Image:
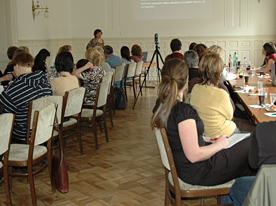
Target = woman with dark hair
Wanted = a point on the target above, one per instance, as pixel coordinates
(200, 49)
(40, 59)
(136, 52)
(197, 161)
(97, 40)
(65, 82)
(270, 56)
(125, 54)
(192, 46)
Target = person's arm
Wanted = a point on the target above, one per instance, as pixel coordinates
(189, 141)
(267, 67)
(7, 77)
(78, 72)
(222, 86)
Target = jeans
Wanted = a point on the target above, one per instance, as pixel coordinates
(238, 191)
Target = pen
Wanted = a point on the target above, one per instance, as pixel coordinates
(271, 114)
(214, 139)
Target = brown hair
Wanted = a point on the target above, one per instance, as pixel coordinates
(269, 48)
(26, 49)
(174, 78)
(136, 50)
(210, 69)
(23, 59)
(97, 31)
(192, 46)
(94, 56)
(10, 51)
(65, 48)
(16, 52)
(200, 48)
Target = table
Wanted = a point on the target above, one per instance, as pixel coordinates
(257, 115)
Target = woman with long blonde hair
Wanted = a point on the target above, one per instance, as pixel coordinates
(199, 160)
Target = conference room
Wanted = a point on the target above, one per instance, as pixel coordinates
(118, 162)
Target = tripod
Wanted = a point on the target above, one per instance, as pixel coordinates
(156, 53)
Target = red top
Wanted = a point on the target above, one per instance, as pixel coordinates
(272, 56)
(176, 55)
(136, 58)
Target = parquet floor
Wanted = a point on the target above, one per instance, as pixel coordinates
(125, 171)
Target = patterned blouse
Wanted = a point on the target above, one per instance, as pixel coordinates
(91, 78)
(94, 42)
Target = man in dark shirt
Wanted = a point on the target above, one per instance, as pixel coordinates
(26, 87)
(176, 47)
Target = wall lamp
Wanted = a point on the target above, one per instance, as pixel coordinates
(38, 8)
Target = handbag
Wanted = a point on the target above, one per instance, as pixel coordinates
(59, 167)
(120, 99)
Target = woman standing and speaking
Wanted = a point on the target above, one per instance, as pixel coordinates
(97, 41)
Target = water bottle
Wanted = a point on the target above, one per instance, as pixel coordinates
(245, 62)
(230, 61)
(235, 60)
(51, 74)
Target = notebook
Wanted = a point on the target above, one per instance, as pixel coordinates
(236, 138)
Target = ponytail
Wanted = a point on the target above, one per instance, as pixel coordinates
(174, 77)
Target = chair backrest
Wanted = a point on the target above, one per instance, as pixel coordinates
(43, 124)
(108, 77)
(74, 101)
(119, 72)
(6, 126)
(166, 155)
(38, 104)
(161, 147)
(104, 88)
(139, 68)
(131, 69)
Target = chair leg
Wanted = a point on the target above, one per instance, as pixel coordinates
(95, 135)
(140, 85)
(110, 116)
(7, 186)
(31, 182)
(105, 128)
(219, 199)
(49, 159)
(79, 134)
(125, 91)
(202, 201)
(167, 200)
(133, 85)
(10, 177)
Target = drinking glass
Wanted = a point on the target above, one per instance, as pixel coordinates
(265, 91)
(260, 85)
(272, 98)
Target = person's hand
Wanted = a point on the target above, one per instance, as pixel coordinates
(222, 141)
(8, 77)
(89, 65)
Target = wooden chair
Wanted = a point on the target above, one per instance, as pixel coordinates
(138, 74)
(97, 115)
(176, 185)
(6, 127)
(22, 155)
(130, 74)
(109, 77)
(111, 91)
(74, 104)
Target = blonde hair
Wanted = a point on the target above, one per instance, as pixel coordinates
(216, 49)
(65, 48)
(26, 49)
(210, 69)
(100, 49)
(94, 56)
(174, 78)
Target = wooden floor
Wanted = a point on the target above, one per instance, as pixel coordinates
(125, 171)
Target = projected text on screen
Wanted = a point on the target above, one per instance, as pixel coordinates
(164, 9)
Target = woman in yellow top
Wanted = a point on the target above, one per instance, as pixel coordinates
(212, 103)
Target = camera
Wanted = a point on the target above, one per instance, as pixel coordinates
(156, 38)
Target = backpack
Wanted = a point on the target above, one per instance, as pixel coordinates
(120, 99)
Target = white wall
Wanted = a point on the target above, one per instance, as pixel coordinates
(236, 25)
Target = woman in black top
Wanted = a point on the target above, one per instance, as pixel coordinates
(197, 161)
(40, 59)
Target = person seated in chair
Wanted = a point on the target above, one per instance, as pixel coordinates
(27, 87)
(176, 47)
(110, 58)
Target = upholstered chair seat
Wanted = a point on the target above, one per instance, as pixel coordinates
(20, 152)
(70, 122)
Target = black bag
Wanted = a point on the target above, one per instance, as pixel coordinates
(120, 99)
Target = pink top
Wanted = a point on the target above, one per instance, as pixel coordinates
(136, 58)
(272, 56)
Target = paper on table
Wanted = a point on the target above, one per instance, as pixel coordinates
(270, 114)
(236, 138)
(240, 91)
(256, 106)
